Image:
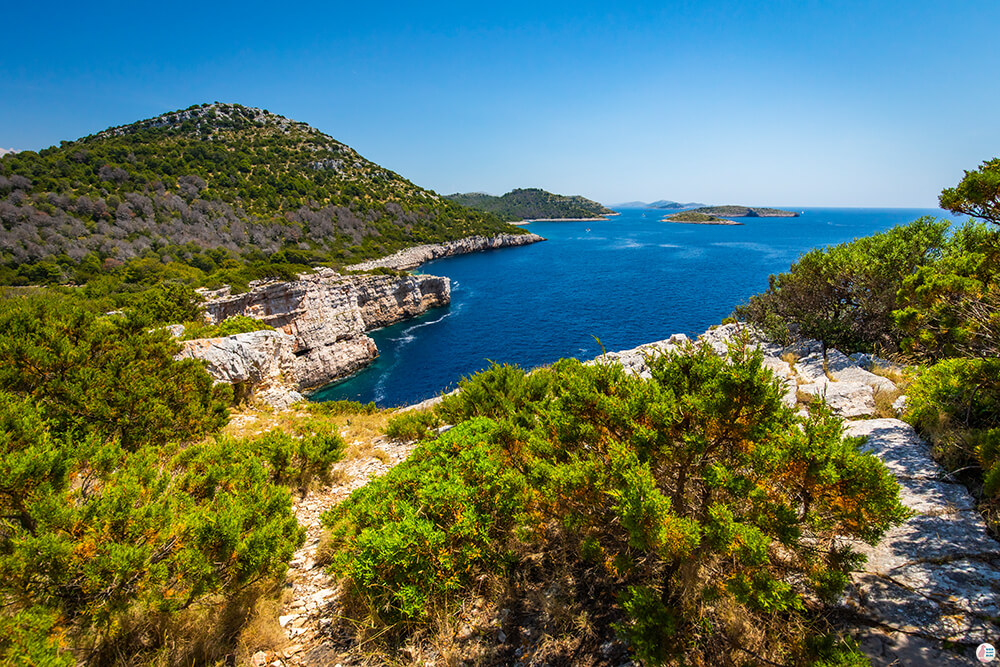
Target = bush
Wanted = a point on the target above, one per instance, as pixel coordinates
(228, 327)
(678, 503)
(411, 425)
(845, 295)
(956, 403)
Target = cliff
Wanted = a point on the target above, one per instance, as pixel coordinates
(260, 364)
(413, 257)
(326, 314)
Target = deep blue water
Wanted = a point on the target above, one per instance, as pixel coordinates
(627, 281)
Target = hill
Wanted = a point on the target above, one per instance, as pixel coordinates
(210, 188)
(745, 212)
(531, 204)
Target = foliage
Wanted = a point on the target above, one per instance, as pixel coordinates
(845, 295)
(682, 502)
(957, 403)
(531, 204)
(411, 425)
(977, 194)
(108, 375)
(230, 326)
(214, 194)
(104, 515)
(744, 212)
(951, 307)
(291, 461)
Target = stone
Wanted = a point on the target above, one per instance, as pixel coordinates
(259, 659)
(262, 361)
(847, 399)
(327, 314)
(285, 620)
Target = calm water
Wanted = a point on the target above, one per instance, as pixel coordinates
(627, 281)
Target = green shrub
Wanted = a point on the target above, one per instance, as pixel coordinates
(956, 403)
(411, 425)
(228, 327)
(674, 495)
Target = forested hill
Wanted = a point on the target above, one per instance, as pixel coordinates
(532, 204)
(206, 189)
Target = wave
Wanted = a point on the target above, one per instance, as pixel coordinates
(407, 332)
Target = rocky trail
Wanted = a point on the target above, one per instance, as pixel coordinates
(928, 594)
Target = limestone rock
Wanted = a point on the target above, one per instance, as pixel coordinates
(262, 361)
(327, 315)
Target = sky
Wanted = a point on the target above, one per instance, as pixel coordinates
(832, 103)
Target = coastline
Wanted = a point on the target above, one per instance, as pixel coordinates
(600, 218)
(411, 258)
(721, 221)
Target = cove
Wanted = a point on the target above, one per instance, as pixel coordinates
(626, 281)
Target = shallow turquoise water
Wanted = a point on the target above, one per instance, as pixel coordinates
(627, 281)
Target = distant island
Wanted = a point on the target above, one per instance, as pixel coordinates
(532, 204)
(694, 218)
(745, 212)
(662, 204)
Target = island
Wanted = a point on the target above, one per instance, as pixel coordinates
(745, 212)
(693, 218)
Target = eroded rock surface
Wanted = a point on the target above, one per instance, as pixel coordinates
(262, 361)
(327, 315)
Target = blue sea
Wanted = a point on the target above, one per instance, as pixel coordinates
(626, 281)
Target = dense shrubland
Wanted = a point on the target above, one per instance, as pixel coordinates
(693, 513)
(921, 293)
(215, 194)
(531, 204)
(117, 537)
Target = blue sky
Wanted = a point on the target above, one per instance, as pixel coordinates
(783, 103)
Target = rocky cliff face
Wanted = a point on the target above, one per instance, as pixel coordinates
(326, 314)
(414, 257)
(262, 362)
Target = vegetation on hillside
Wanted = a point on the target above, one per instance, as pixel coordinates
(745, 212)
(119, 538)
(923, 293)
(216, 193)
(531, 204)
(699, 218)
(693, 514)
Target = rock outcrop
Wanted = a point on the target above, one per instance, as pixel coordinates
(326, 314)
(411, 258)
(259, 363)
(929, 592)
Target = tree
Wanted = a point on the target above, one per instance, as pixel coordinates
(978, 193)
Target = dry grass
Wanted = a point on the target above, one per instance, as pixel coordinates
(262, 631)
(358, 429)
(805, 397)
(382, 456)
(790, 358)
(897, 375)
(884, 398)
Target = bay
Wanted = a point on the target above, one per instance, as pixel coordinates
(626, 281)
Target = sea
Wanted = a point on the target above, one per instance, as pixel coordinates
(591, 286)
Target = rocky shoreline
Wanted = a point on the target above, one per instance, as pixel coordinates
(411, 258)
(321, 320)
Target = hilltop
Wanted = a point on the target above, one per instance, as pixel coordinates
(745, 212)
(531, 204)
(211, 189)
